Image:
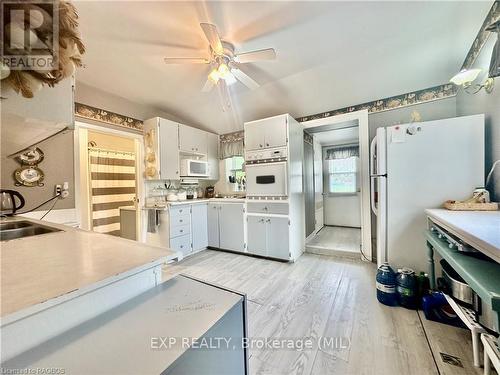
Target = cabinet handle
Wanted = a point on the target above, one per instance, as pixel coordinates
(180, 221)
(260, 145)
(267, 144)
(180, 210)
(182, 230)
(182, 246)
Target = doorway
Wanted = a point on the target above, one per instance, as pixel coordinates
(108, 180)
(341, 209)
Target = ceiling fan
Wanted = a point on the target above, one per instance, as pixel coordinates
(226, 65)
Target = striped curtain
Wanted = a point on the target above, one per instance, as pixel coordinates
(112, 176)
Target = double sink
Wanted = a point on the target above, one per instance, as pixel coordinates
(21, 229)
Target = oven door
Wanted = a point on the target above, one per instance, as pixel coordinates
(267, 179)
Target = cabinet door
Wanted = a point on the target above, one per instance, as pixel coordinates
(275, 131)
(199, 227)
(213, 225)
(278, 237)
(168, 149)
(257, 242)
(231, 227)
(254, 136)
(192, 139)
(213, 156)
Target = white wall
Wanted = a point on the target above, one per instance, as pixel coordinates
(340, 209)
(343, 210)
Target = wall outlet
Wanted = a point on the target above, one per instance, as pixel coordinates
(62, 190)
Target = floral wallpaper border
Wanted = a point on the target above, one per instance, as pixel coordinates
(393, 102)
(108, 117)
(482, 35)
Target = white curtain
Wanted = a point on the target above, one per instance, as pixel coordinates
(342, 152)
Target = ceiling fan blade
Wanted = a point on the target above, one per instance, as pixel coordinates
(263, 54)
(213, 37)
(209, 85)
(185, 60)
(245, 79)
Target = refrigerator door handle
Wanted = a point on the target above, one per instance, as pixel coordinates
(372, 194)
(372, 155)
(372, 175)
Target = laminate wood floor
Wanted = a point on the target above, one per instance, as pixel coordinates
(320, 296)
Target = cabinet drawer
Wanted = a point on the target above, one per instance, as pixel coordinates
(181, 243)
(180, 210)
(267, 208)
(176, 220)
(180, 230)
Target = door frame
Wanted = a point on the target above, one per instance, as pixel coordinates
(364, 156)
(82, 181)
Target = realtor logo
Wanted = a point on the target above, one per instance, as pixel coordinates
(30, 34)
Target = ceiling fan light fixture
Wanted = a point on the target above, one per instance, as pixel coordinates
(223, 69)
(214, 76)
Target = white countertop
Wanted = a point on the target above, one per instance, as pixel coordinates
(38, 268)
(480, 229)
(119, 341)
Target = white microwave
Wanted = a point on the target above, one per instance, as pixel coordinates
(194, 168)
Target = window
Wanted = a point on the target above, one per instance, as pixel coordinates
(342, 176)
(234, 172)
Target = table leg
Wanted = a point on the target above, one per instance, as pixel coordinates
(430, 259)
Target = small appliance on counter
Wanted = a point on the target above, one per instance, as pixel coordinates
(210, 192)
(8, 206)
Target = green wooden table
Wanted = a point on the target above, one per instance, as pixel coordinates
(483, 276)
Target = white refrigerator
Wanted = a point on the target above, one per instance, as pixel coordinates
(418, 166)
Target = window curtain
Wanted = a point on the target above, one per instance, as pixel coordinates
(231, 145)
(342, 152)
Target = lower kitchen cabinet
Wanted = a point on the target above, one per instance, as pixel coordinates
(226, 226)
(256, 243)
(268, 236)
(277, 237)
(199, 228)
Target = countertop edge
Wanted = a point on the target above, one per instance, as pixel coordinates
(56, 300)
(481, 245)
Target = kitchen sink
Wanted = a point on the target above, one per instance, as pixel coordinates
(21, 229)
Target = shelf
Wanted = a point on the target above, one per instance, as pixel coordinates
(483, 276)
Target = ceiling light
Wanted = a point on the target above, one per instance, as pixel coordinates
(214, 76)
(466, 77)
(223, 69)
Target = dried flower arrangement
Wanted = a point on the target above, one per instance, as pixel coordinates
(71, 47)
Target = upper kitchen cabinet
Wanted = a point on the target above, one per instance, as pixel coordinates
(266, 133)
(213, 156)
(192, 140)
(26, 122)
(162, 149)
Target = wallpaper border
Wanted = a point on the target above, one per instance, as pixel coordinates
(107, 117)
(482, 35)
(404, 100)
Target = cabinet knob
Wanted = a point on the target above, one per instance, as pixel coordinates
(267, 144)
(260, 145)
(182, 230)
(180, 221)
(268, 220)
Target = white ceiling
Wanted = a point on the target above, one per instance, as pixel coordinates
(338, 136)
(329, 54)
